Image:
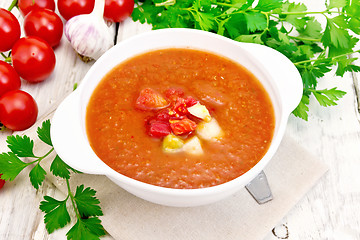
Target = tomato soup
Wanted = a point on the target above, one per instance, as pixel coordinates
(180, 118)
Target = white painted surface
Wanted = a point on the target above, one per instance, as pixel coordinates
(331, 210)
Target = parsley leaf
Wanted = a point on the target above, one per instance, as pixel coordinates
(11, 166)
(298, 21)
(253, 38)
(37, 176)
(255, 21)
(336, 36)
(268, 5)
(338, 3)
(312, 29)
(60, 169)
(327, 97)
(204, 20)
(21, 146)
(86, 202)
(56, 215)
(302, 109)
(89, 229)
(236, 25)
(44, 132)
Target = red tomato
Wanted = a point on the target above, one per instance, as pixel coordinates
(2, 182)
(71, 8)
(18, 110)
(9, 30)
(25, 6)
(158, 129)
(33, 59)
(182, 126)
(149, 99)
(118, 10)
(9, 79)
(44, 24)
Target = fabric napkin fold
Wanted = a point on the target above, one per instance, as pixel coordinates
(291, 173)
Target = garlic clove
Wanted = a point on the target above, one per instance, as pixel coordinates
(89, 34)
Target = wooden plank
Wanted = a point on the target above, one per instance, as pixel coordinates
(331, 210)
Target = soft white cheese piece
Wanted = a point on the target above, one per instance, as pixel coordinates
(210, 131)
(200, 111)
(193, 146)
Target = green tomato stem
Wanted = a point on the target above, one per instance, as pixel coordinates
(13, 4)
(6, 59)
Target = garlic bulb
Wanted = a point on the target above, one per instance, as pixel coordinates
(89, 34)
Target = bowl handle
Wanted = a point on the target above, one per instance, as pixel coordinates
(283, 71)
(69, 141)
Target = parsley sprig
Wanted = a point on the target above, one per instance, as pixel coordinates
(83, 202)
(282, 25)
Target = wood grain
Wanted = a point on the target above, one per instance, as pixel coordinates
(331, 210)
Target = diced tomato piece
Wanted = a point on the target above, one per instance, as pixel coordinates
(174, 93)
(150, 100)
(190, 101)
(182, 126)
(163, 115)
(158, 129)
(180, 107)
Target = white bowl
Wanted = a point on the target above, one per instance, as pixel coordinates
(277, 74)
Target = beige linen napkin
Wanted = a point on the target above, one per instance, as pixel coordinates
(291, 173)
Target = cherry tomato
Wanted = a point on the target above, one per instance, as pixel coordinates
(18, 110)
(33, 59)
(9, 79)
(118, 10)
(71, 8)
(44, 24)
(25, 6)
(2, 182)
(9, 30)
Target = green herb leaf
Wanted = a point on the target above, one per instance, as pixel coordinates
(298, 21)
(86, 202)
(11, 166)
(312, 29)
(89, 229)
(338, 3)
(253, 38)
(333, 35)
(21, 146)
(236, 25)
(327, 97)
(56, 215)
(255, 21)
(44, 132)
(60, 169)
(37, 176)
(268, 5)
(302, 109)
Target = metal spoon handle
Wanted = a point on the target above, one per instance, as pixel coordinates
(259, 188)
